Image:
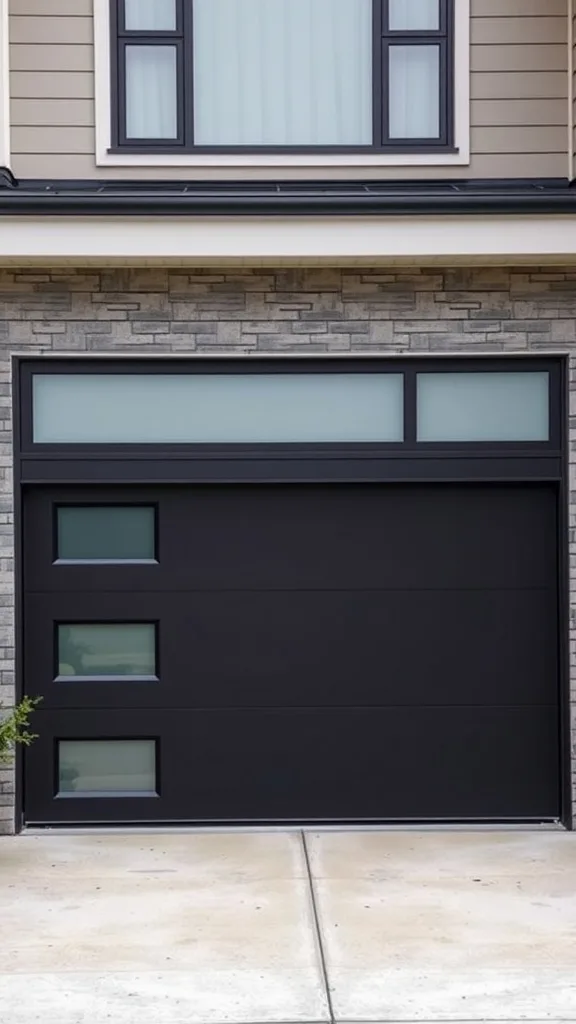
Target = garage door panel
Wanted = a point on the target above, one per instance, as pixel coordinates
(365, 537)
(294, 537)
(429, 763)
(307, 648)
(339, 653)
(376, 648)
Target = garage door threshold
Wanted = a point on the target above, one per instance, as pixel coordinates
(158, 830)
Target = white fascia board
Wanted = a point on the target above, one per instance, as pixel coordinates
(305, 239)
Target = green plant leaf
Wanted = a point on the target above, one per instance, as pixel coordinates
(14, 727)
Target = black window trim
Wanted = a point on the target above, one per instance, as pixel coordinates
(181, 38)
(84, 736)
(76, 504)
(95, 678)
(409, 447)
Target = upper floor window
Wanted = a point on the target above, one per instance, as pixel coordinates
(209, 76)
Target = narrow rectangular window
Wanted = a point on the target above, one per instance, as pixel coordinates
(414, 92)
(103, 534)
(106, 650)
(151, 94)
(281, 408)
(282, 75)
(149, 73)
(107, 768)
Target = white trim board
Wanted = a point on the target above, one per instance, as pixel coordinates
(280, 240)
(4, 86)
(461, 118)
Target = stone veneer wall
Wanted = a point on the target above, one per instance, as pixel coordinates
(305, 311)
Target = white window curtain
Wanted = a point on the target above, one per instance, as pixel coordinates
(283, 72)
(151, 101)
(414, 92)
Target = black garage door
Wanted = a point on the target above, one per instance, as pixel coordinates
(303, 653)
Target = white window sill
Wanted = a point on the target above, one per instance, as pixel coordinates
(106, 159)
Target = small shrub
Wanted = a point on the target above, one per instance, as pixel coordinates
(14, 725)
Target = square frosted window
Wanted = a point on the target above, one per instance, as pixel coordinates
(483, 406)
(107, 768)
(227, 408)
(414, 15)
(150, 15)
(106, 533)
(105, 650)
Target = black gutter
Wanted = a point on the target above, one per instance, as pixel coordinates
(286, 199)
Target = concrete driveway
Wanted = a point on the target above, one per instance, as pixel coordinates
(285, 927)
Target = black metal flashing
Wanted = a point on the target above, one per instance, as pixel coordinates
(284, 198)
(7, 179)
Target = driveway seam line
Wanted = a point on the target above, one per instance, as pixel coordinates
(318, 929)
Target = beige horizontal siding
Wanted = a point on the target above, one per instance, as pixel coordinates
(34, 29)
(499, 31)
(517, 139)
(54, 8)
(519, 87)
(529, 85)
(53, 112)
(62, 57)
(515, 8)
(52, 85)
(55, 139)
(520, 57)
(493, 113)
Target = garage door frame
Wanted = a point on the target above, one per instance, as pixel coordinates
(395, 462)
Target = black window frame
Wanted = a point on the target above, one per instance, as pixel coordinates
(88, 463)
(96, 679)
(57, 560)
(383, 39)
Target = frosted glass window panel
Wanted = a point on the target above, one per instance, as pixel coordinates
(107, 767)
(414, 15)
(414, 96)
(282, 72)
(217, 408)
(150, 15)
(151, 94)
(117, 533)
(98, 650)
(483, 406)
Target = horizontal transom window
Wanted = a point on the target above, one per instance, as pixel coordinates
(282, 75)
(281, 408)
(402, 405)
